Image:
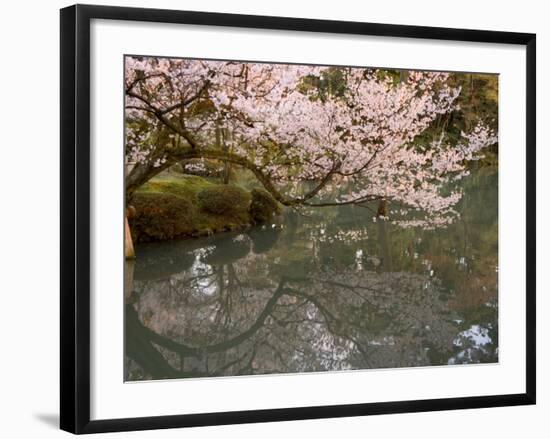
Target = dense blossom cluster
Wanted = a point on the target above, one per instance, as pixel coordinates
(362, 139)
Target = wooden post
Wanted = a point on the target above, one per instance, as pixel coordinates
(128, 244)
(382, 208)
(128, 280)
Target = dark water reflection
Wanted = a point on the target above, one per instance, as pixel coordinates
(334, 291)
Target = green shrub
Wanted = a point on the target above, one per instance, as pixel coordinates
(263, 206)
(223, 199)
(160, 216)
(168, 208)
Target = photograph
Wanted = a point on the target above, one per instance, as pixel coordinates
(294, 218)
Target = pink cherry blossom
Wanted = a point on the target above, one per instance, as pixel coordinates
(362, 143)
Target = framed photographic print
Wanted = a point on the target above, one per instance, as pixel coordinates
(267, 218)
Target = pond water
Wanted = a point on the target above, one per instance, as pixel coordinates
(331, 291)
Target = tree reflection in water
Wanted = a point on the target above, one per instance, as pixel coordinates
(306, 298)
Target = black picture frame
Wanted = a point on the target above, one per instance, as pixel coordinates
(75, 217)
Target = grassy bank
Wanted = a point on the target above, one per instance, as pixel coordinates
(183, 206)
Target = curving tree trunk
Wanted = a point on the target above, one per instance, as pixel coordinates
(141, 173)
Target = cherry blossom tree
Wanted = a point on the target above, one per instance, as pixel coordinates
(356, 147)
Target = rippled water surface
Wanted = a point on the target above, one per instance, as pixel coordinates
(331, 291)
